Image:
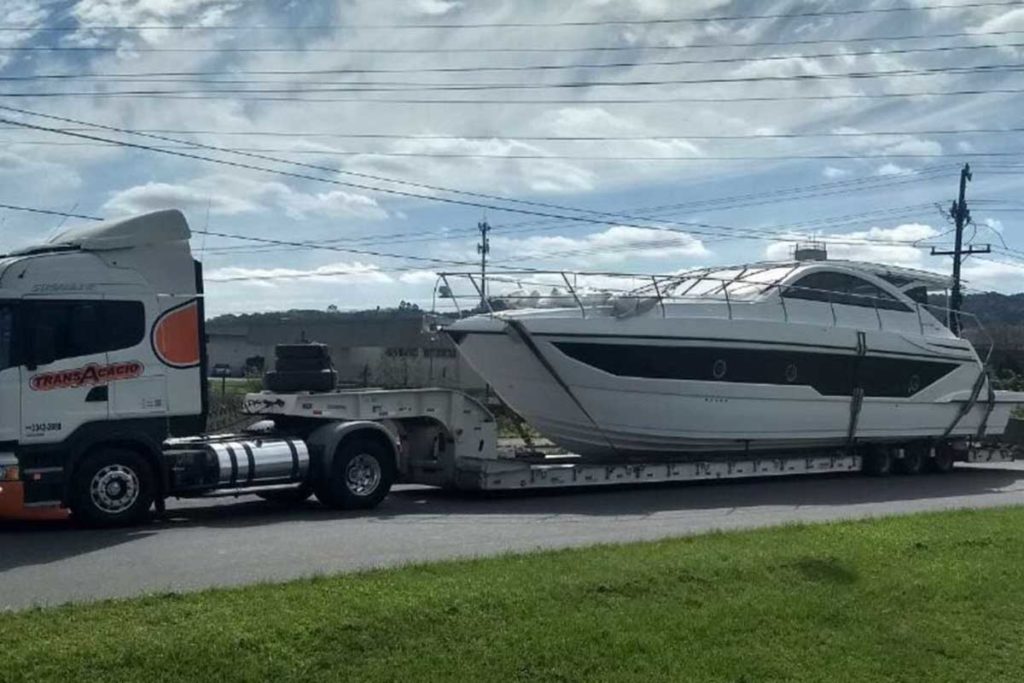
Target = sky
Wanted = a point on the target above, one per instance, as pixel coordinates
(357, 144)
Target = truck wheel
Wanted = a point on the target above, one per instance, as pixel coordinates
(288, 496)
(878, 461)
(943, 460)
(913, 461)
(112, 487)
(360, 477)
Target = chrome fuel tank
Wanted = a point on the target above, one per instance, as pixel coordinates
(237, 462)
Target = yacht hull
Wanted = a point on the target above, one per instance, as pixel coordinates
(611, 388)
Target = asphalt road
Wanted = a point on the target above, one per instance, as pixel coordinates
(229, 542)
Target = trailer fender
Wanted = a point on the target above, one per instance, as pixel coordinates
(324, 441)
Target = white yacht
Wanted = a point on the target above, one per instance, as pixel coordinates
(760, 357)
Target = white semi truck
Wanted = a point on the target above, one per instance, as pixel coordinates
(103, 403)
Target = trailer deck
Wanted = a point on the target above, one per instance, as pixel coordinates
(447, 438)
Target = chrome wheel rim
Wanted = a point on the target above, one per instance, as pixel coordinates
(363, 474)
(114, 488)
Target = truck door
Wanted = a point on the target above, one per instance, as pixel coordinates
(10, 377)
(144, 395)
(64, 370)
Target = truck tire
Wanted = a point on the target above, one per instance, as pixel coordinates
(915, 456)
(112, 487)
(361, 475)
(943, 460)
(288, 496)
(878, 461)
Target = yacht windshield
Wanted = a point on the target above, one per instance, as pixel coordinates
(738, 283)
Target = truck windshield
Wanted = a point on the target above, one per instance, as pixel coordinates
(6, 334)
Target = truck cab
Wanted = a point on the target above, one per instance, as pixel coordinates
(101, 360)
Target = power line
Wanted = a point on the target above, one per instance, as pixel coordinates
(263, 157)
(146, 76)
(347, 250)
(545, 24)
(49, 212)
(653, 212)
(704, 204)
(554, 157)
(692, 226)
(303, 176)
(763, 233)
(722, 232)
(576, 252)
(502, 50)
(222, 95)
(331, 170)
(570, 138)
(414, 86)
(322, 246)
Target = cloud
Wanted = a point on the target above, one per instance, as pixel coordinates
(418, 277)
(888, 145)
(436, 8)
(1012, 20)
(342, 272)
(226, 195)
(41, 175)
(118, 180)
(587, 121)
(92, 14)
(616, 244)
(154, 196)
(336, 203)
(994, 276)
(871, 246)
(28, 13)
(892, 169)
(831, 172)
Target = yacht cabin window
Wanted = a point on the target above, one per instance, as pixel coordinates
(842, 288)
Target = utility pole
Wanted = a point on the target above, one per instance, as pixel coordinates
(961, 217)
(483, 248)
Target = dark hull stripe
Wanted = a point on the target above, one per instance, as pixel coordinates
(459, 335)
(760, 342)
(828, 374)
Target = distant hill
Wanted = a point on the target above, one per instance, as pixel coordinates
(991, 307)
(309, 316)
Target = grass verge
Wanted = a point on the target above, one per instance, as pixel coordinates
(934, 597)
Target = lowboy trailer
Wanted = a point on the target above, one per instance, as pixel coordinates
(103, 388)
(349, 448)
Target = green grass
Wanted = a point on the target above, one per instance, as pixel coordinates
(937, 597)
(234, 386)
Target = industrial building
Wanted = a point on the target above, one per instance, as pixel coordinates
(368, 348)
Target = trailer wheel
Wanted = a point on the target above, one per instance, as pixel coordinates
(878, 461)
(361, 475)
(943, 460)
(288, 496)
(112, 487)
(915, 456)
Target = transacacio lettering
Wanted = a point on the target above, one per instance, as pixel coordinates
(91, 374)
